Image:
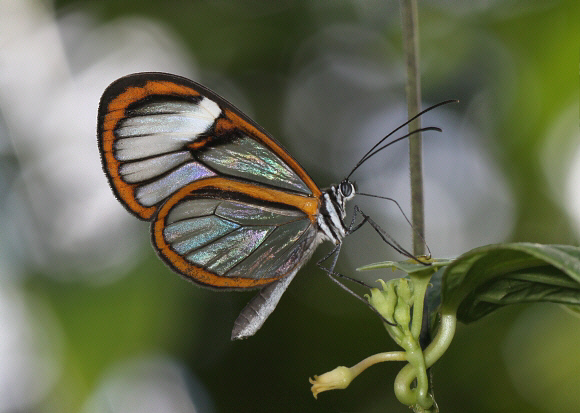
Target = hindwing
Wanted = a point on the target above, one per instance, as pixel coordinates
(218, 234)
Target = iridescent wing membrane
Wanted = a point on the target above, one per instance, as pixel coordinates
(229, 207)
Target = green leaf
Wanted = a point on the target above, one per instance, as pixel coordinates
(408, 266)
(487, 278)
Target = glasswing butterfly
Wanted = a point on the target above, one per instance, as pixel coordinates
(229, 207)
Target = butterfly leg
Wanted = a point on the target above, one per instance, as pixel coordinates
(336, 250)
(352, 227)
(383, 234)
(334, 275)
(330, 270)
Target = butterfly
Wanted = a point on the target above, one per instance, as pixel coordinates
(229, 207)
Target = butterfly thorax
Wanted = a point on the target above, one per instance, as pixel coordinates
(332, 211)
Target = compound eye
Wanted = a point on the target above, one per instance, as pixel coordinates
(346, 188)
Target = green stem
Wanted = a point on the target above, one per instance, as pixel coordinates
(420, 284)
(443, 339)
(420, 394)
(377, 358)
(409, 15)
(405, 394)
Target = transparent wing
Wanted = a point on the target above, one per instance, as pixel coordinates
(263, 304)
(159, 132)
(231, 240)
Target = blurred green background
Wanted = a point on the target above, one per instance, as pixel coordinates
(92, 321)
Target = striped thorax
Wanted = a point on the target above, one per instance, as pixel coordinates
(332, 211)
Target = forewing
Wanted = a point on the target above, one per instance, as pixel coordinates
(158, 133)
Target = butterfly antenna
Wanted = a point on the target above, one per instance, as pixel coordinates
(404, 215)
(370, 152)
(386, 145)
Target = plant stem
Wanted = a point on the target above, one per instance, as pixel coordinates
(409, 16)
(377, 358)
(420, 285)
(432, 353)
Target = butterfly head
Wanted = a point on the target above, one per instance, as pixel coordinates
(347, 189)
(344, 191)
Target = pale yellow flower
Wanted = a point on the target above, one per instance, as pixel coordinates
(339, 378)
